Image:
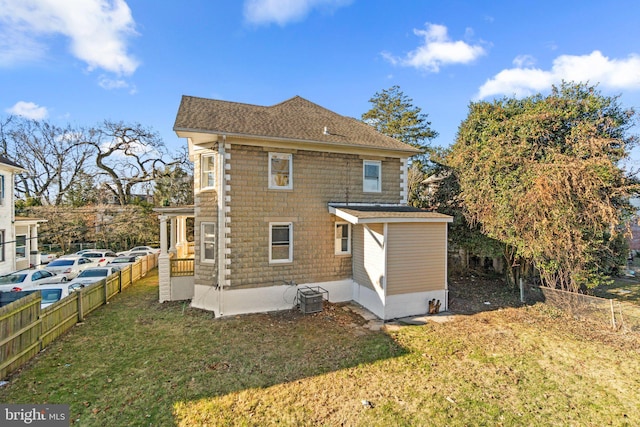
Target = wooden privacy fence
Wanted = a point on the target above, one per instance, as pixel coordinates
(26, 329)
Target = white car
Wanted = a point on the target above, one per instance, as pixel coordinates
(27, 279)
(141, 249)
(101, 257)
(90, 276)
(46, 257)
(75, 254)
(123, 260)
(69, 268)
(52, 293)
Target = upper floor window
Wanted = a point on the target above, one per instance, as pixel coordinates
(21, 246)
(281, 171)
(343, 238)
(372, 176)
(207, 167)
(208, 242)
(280, 242)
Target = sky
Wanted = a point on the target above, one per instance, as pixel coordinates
(81, 62)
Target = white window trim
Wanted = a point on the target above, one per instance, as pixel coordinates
(290, 258)
(377, 163)
(3, 236)
(25, 246)
(2, 189)
(289, 157)
(205, 172)
(338, 239)
(203, 242)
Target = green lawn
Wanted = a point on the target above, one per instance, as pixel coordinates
(135, 362)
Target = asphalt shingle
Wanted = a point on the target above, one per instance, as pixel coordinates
(294, 119)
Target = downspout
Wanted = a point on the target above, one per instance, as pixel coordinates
(222, 205)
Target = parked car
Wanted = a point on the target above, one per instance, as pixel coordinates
(27, 279)
(69, 268)
(81, 252)
(52, 293)
(123, 261)
(141, 249)
(139, 254)
(102, 257)
(47, 257)
(91, 275)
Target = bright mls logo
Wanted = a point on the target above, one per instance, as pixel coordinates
(34, 415)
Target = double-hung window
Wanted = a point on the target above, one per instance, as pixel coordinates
(280, 242)
(371, 176)
(343, 238)
(208, 242)
(21, 246)
(207, 167)
(280, 171)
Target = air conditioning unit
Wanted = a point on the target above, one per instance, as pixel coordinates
(310, 298)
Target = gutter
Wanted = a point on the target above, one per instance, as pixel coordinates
(188, 133)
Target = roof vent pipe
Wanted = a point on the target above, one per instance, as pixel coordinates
(325, 131)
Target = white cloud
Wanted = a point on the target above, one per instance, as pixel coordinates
(282, 12)
(438, 50)
(521, 61)
(98, 31)
(594, 68)
(28, 110)
(107, 83)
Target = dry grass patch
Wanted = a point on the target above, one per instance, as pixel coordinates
(137, 362)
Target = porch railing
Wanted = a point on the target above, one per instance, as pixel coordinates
(182, 267)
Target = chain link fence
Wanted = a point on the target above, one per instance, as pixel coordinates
(618, 315)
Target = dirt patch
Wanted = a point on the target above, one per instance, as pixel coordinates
(475, 293)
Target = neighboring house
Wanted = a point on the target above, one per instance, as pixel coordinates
(296, 195)
(18, 236)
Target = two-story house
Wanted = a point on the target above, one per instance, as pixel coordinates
(18, 236)
(296, 195)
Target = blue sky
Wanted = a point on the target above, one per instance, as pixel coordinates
(83, 61)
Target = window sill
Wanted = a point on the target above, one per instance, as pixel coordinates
(290, 190)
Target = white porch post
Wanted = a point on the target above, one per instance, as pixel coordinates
(181, 237)
(163, 234)
(164, 264)
(172, 236)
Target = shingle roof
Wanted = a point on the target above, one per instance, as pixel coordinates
(294, 119)
(367, 214)
(8, 162)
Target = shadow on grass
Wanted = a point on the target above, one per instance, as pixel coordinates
(134, 359)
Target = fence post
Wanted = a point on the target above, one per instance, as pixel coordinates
(80, 308)
(613, 315)
(106, 292)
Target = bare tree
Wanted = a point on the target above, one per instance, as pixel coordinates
(53, 156)
(127, 156)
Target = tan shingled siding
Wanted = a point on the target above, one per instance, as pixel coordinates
(206, 210)
(416, 257)
(318, 178)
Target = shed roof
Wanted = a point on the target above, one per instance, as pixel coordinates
(294, 119)
(381, 214)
